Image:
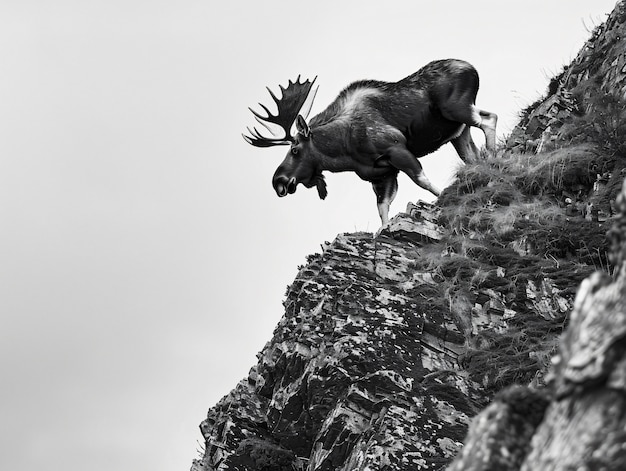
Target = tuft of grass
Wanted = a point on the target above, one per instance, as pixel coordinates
(526, 198)
(569, 171)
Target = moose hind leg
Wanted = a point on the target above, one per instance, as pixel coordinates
(488, 121)
(386, 191)
(470, 115)
(465, 147)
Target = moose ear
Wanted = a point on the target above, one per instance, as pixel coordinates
(302, 127)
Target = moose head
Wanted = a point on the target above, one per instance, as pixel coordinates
(301, 164)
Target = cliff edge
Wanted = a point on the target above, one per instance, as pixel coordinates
(459, 322)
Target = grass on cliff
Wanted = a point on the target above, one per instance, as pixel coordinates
(600, 119)
(536, 204)
(512, 220)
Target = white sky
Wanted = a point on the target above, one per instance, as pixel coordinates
(144, 254)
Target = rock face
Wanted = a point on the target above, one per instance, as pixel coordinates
(586, 103)
(393, 346)
(599, 69)
(381, 360)
(361, 372)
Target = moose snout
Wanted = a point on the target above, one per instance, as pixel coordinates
(284, 185)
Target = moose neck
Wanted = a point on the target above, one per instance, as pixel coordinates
(332, 141)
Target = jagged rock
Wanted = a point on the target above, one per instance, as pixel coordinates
(405, 225)
(500, 437)
(344, 383)
(600, 59)
(377, 363)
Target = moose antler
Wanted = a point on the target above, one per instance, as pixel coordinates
(289, 105)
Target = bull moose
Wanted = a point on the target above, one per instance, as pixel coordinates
(376, 129)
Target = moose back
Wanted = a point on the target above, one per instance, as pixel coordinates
(376, 129)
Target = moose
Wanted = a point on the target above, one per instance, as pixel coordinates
(376, 129)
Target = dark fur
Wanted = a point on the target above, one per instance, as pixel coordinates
(378, 128)
(410, 104)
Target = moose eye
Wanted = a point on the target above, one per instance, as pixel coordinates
(294, 150)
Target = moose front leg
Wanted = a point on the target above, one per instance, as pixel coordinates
(402, 159)
(386, 190)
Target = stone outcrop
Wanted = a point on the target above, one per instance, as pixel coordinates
(585, 103)
(361, 371)
(381, 360)
(599, 68)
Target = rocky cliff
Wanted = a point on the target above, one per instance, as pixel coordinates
(394, 345)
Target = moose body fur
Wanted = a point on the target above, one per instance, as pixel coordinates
(377, 129)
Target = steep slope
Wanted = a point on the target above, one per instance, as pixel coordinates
(391, 343)
(388, 346)
(585, 103)
(362, 363)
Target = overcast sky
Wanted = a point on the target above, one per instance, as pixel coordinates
(144, 255)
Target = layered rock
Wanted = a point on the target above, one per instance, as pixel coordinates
(379, 361)
(361, 371)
